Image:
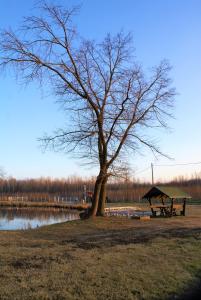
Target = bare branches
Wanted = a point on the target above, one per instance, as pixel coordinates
(108, 97)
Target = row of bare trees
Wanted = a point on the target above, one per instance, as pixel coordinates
(119, 191)
(109, 99)
(72, 186)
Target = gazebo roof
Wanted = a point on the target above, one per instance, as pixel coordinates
(167, 191)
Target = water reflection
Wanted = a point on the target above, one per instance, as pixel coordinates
(26, 218)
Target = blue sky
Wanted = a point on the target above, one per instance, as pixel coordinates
(161, 29)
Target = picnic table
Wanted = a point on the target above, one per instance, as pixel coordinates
(165, 210)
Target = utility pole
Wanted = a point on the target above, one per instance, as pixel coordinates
(85, 193)
(152, 173)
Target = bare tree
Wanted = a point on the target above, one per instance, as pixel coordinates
(109, 100)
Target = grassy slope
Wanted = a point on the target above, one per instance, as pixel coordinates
(109, 258)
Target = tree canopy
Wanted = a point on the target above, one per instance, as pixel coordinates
(109, 99)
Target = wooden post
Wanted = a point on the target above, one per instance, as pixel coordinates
(153, 212)
(184, 208)
(162, 200)
(171, 209)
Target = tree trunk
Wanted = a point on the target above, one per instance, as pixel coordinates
(102, 198)
(96, 195)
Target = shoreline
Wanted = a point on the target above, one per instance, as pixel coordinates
(70, 206)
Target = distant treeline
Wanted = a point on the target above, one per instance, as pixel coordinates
(121, 191)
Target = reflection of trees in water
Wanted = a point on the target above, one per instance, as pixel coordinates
(37, 213)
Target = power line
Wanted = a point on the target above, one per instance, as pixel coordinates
(142, 171)
(178, 164)
(167, 165)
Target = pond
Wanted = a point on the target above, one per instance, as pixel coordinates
(28, 218)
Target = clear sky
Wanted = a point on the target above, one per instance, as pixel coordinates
(161, 29)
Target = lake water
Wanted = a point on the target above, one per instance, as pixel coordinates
(27, 218)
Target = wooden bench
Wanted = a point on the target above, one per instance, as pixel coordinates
(165, 210)
(178, 206)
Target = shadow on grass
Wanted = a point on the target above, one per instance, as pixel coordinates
(109, 238)
(192, 292)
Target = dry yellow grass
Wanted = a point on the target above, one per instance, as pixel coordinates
(105, 258)
(13, 203)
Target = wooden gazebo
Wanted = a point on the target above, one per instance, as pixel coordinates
(167, 201)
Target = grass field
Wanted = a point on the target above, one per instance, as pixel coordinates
(105, 258)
